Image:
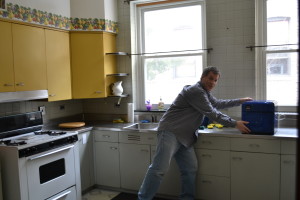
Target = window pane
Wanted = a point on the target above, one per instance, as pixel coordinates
(167, 30)
(282, 78)
(165, 77)
(282, 23)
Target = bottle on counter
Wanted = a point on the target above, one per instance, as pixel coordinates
(161, 105)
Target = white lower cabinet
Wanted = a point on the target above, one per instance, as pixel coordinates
(213, 178)
(85, 141)
(171, 183)
(288, 170)
(107, 164)
(134, 162)
(255, 174)
(230, 168)
(106, 154)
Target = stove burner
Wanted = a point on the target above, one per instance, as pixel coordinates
(51, 133)
(12, 143)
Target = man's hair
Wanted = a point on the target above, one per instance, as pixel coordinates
(207, 70)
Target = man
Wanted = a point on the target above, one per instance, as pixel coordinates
(177, 132)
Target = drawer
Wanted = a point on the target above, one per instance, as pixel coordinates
(137, 138)
(255, 145)
(213, 187)
(213, 162)
(288, 146)
(106, 136)
(211, 142)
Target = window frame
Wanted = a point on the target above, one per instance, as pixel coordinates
(261, 54)
(137, 44)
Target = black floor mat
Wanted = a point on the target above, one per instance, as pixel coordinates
(128, 196)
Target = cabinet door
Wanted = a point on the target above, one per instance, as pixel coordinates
(7, 81)
(213, 162)
(255, 176)
(213, 187)
(134, 162)
(29, 58)
(171, 184)
(87, 58)
(288, 180)
(58, 65)
(86, 160)
(107, 164)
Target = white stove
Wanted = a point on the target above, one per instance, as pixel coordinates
(38, 164)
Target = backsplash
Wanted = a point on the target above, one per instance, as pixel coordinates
(54, 110)
(34, 16)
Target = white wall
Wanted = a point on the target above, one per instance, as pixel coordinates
(103, 9)
(60, 7)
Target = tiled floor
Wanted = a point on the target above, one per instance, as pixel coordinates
(97, 194)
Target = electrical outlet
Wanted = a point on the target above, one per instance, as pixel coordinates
(42, 109)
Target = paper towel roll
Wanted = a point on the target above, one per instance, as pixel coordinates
(130, 113)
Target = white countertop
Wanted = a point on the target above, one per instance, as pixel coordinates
(232, 132)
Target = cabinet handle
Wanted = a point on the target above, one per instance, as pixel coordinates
(206, 155)
(113, 148)
(8, 85)
(52, 95)
(206, 142)
(288, 162)
(20, 84)
(106, 136)
(254, 145)
(237, 158)
(98, 92)
(206, 181)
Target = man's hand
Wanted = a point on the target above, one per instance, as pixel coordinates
(246, 99)
(240, 125)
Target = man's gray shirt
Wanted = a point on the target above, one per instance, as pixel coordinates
(187, 112)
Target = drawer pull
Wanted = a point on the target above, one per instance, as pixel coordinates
(52, 95)
(206, 142)
(106, 136)
(254, 145)
(98, 92)
(113, 148)
(206, 155)
(237, 158)
(288, 162)
(150, 138)
(206, 182)
(144, 150)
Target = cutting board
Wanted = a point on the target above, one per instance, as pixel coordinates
(71, 125)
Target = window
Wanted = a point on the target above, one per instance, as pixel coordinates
(277, 58)
(170, 48)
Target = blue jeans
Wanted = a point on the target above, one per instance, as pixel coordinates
(167, 148)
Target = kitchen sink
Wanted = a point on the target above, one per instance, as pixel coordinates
(142, 127)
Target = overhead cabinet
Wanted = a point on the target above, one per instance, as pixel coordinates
(90, 65)
(29, 53)
(7, 82)
(58, 65)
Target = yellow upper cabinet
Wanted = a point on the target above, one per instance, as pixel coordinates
(29, 58)
(6, 59)
(89, 63)
(58, 65)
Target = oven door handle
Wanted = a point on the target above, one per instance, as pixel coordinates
(51, 152)
(62, 195)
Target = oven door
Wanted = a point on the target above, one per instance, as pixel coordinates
(50, 172)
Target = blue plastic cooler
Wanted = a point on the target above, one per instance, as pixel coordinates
(261, 117)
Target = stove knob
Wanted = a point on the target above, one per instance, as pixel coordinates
(51, 144)
(33, 149)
